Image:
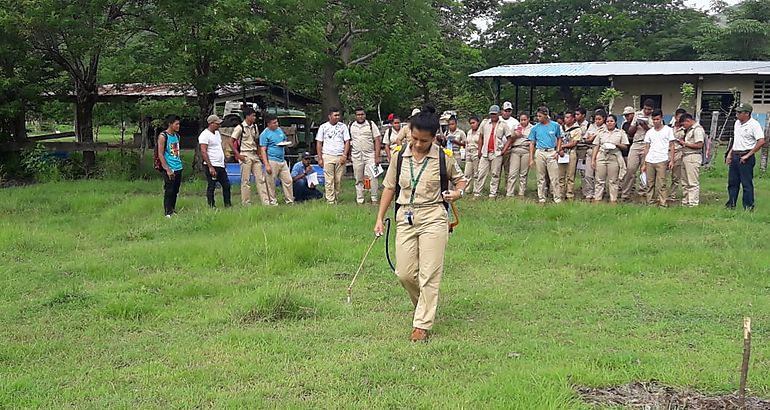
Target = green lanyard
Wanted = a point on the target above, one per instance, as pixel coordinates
(414, 180)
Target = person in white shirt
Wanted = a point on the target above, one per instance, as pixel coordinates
(748, 139)
(658, 158)
(214, 160)
(333, 146)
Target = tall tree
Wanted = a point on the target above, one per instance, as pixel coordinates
(75, 35)
(743, 33)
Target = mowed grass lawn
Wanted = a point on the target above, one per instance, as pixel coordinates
(106, 304)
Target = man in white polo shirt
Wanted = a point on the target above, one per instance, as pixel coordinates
(333, 146)
(658, 158)
(748, 138)
(210, 142)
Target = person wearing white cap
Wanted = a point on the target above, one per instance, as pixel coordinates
(405, 135)
(214, 160)
(510, 120)
(494, 133)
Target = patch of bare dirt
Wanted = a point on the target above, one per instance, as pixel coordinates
(654, 396)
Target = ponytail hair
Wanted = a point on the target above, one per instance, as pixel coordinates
(426, 120)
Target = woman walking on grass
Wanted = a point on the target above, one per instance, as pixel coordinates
(422, 225)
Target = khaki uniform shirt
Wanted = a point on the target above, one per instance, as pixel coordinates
(249, 136)
(694, 135)
(362, 137)
(640, 132)
(472, 144)
(501, 132)
(679, 132)
(576, 134)
(615, 137)
(389, 137)
(457, 136)
(522, 142)
(428, 191)
(405, 135)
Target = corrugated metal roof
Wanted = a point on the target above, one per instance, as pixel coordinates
(629, 68)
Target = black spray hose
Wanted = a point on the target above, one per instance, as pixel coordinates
(387, 245)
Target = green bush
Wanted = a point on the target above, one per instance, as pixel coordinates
(118, 165)
(39, 164)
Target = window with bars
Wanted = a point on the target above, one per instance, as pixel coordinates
(762, 92)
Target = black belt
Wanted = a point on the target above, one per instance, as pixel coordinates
(546, 149)
(741, 152)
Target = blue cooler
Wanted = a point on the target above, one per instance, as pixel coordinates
(234, 175)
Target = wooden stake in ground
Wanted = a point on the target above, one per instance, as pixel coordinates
(745, 365)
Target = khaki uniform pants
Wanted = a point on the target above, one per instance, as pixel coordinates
(691, 179)
(420, 259)
(587, 186)
(471, 170)
(677, 174)
(487, 165)
(518, 171)
(634, 162)
(656, 183)
(607, 172)
(567, 176)
(280, 170)
(505, 167)
(251, 165)
(334, 169)
(361, 164)
(547, 168)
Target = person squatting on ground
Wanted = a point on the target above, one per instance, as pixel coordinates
(422, 225)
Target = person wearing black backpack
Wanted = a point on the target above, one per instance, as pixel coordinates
(169, 163)
(419, 182)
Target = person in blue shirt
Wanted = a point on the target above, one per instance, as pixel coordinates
(171, 163)
(544, 150)
(303, 190)
(271, 143)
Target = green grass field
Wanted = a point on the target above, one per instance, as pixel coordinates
(106, 304)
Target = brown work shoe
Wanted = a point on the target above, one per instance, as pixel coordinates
(419, 335)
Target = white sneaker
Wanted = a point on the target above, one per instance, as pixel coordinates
(168, 216)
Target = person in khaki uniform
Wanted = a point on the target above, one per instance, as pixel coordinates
(518, 144)
(636, 132)
(571, 136)
(365, 147)
(250, 157)
(389, 136)
(333, 146)
(472, 152)
(422, 227)
(405, 135)
(692, 144)
(608, 159)
(658, 158)
(456, 137)
(677, 167)
(544, 149)
(493, 136)
(509, 118)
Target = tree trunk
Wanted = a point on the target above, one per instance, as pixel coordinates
(330, 96)
(84, 120)
(20, 126)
